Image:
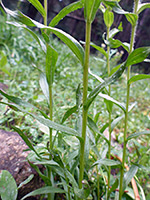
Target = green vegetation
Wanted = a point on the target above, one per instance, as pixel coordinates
(88, 111)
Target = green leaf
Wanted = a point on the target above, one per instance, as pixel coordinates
(40, 42)
(137, 56)
(116, 121)
(134, 135)
(48, 122)
(44, 190)
(132, 18)
(69, 112)
(78, 97)
(108, 98)
(100, 87)
(8, 186)
(3, 59)
(46, 163)
(138, 77)
(114, 69)
(113, 32)
(114, 43)
(115, 6)
(3, 62)
(108, 18)
(92, 125)
(107, 162)
(65, 11)
(90, 9)
(25, 138)
(128, 176)
(114, 187)
(18, 101)
(95, 76)
(38, 6)
(143, 6)
(82, 193)
(43, 177)
(44, 86)
(51, 59)
(72, 43)
(100, 49)
(26, 181)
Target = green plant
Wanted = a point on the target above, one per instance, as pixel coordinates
(65, 166)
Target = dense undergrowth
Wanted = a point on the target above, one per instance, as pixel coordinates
(21, 63)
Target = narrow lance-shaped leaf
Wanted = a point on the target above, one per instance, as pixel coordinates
(92, 125)
(44, 86)
(43, 177)
(40, 42)
(107, 162)
(128, 176)
(114, 70)
(107, 97)
(65, 11)
(100, 87)
(26, 140)
(51, 59)
(135, 135)
(69, 112)
(142, 7)
(38, 6)
(100, 49)
(114, 43)
(44, 190)
(46, 163)
(138, 77)
(26, 181)
(114, 187)
(115, 7)
(72, 43)
(49, 123)
(138, 55)
(90, 9)
(95, 76)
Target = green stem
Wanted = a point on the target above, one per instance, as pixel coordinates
(109, 93)
(45, 7)
(85, 111)
(127, 105)
(98, 178)
(50, 104)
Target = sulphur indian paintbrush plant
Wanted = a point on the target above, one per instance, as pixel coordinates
(74, 168)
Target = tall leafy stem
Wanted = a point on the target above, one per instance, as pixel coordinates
(133, 33)
(90, 9)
